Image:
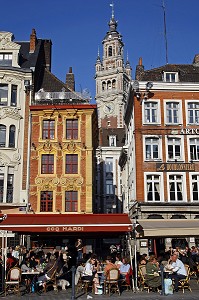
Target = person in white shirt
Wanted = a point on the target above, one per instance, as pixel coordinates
(178, 269)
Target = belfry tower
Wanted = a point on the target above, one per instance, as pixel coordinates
(112, 81)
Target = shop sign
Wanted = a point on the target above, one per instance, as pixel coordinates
(189, 131)
(65, 228)
(175, 167)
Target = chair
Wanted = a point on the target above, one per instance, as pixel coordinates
(51, 282)
(111, 283)
(126, 282)
(185, 283)
(43, 287)
(142, 281)
(13, 280)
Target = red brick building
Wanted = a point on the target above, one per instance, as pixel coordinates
(160, 160)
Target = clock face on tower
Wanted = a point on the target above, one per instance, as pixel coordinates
(108, 108)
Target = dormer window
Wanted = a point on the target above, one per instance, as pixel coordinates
(171, 76)
(5, 59)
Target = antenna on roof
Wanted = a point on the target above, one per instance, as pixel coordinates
(165, 31)
(112, 5)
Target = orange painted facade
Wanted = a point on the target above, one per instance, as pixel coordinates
(58, 182)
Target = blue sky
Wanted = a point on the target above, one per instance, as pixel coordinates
(78, 27)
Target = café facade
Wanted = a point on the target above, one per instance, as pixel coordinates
(98, 231)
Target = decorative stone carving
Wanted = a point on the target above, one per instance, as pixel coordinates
(47, 145)
(10, 112)
(55, 181)
(71, 146)
(38, 180)
(34, 157)
(17, 156)
(6, 41)
(5, 160)
(47, 181)
(71, 183)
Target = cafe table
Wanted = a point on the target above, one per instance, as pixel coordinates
(29, 277)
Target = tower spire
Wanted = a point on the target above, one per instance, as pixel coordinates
(112, 5)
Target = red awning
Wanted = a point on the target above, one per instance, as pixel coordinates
(67, 223)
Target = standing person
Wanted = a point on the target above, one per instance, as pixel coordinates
(79, 247)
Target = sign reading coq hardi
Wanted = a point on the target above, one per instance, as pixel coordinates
(175, 167)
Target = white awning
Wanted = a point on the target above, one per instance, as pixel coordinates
(170, 228)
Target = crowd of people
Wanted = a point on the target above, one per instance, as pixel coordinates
(174, 261)
(92, 268)
(95, 270)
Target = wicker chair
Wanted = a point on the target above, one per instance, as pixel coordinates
(111, 283)
(185, 283)
(142, 281)
(13, 280)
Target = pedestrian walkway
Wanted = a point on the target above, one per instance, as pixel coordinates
(126, 295)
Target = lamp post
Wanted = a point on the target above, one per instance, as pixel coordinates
(3, 252)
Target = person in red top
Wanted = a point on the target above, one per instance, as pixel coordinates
(10, 262)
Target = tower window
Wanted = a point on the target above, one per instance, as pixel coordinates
(110, 51)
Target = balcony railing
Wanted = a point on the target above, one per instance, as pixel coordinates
(9, 198)
(61, 98)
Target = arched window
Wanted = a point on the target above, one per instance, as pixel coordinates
(109, 85)
(2, 135)
(12, 136)
(178, 217)
(110, 51)
(155, 216)
(103, 85)
(114, 84)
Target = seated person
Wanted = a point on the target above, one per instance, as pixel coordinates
(25, 265)
(143, 259)
(90, 273)
(118, 261)
(33, 262)
(109, 265)
(178, 269)
(48, 271)
(153, 279)
(79, 271)
(124, 268)
(11, 261)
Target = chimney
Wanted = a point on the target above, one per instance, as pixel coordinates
(33, 41)
(70, 80)
(47, 54)
(139, 70)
